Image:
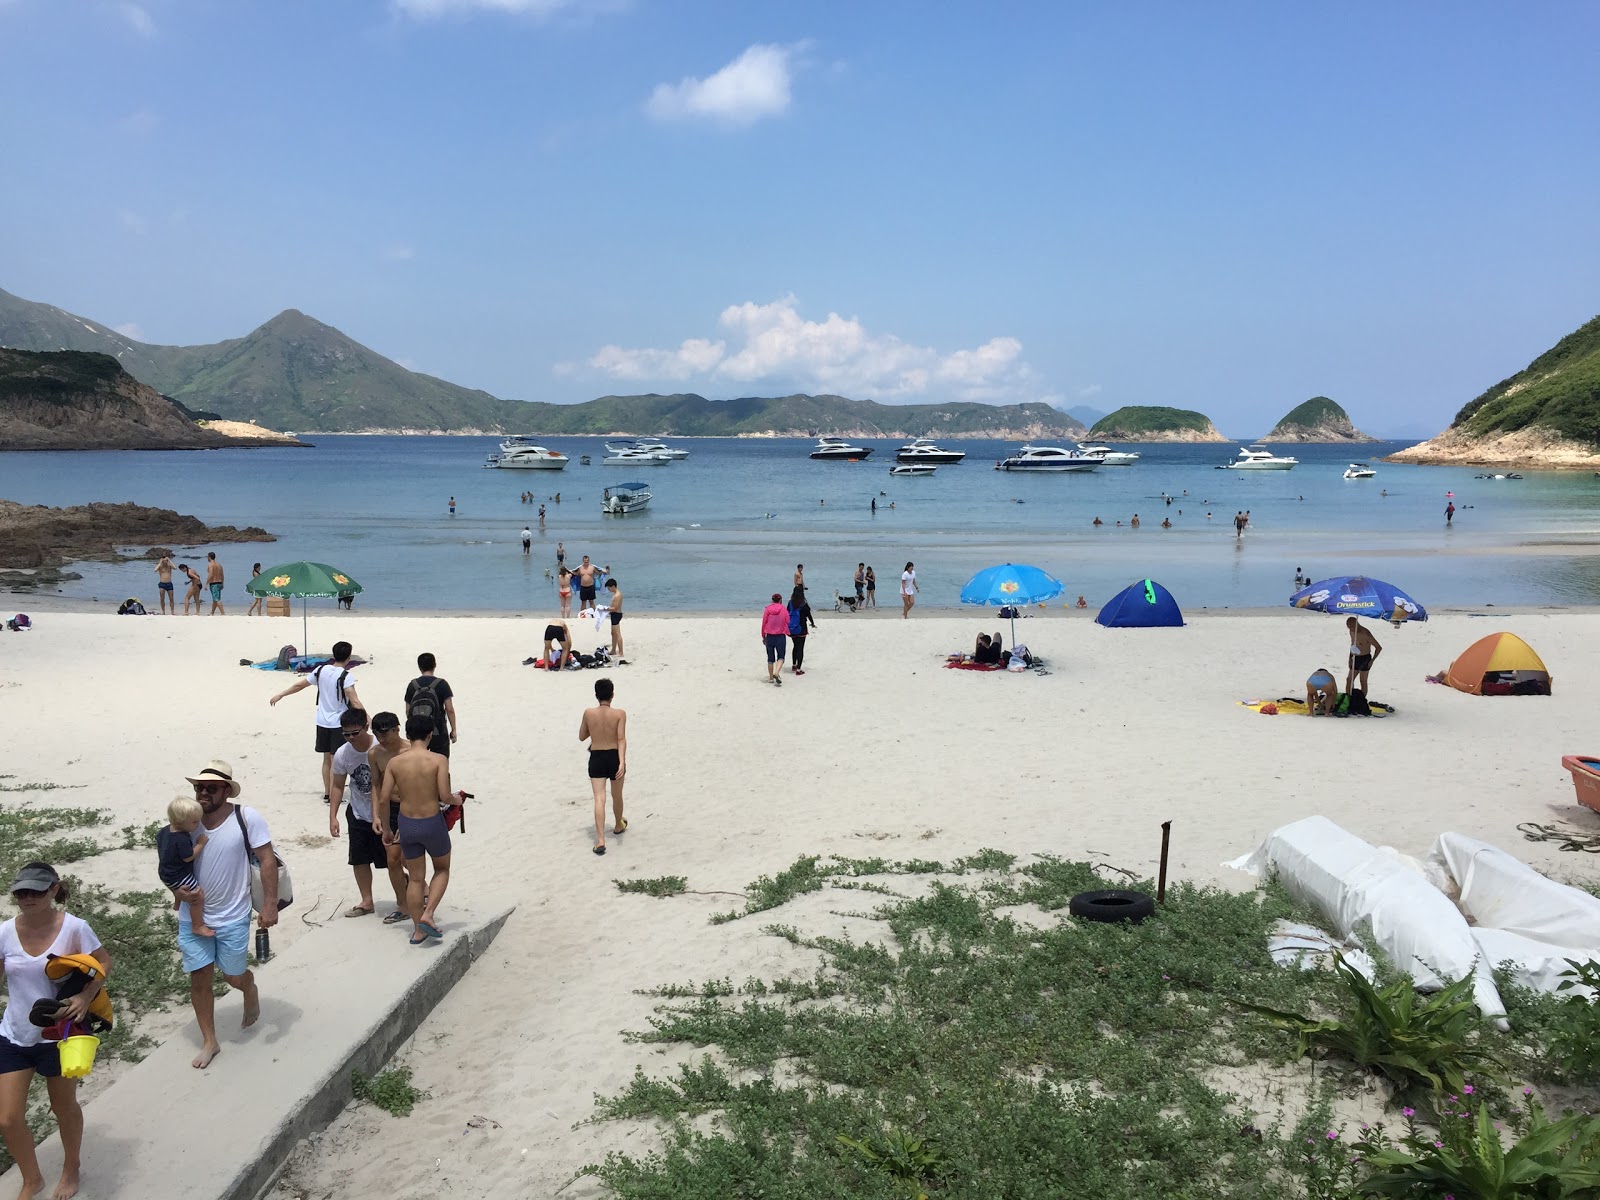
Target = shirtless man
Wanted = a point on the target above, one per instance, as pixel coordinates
(169, 602)
(1364, 648)
(586, 573)
(386, 728)
(214, 580)
(192, 592)
(607, 731)
(615, 612)
(419, 780)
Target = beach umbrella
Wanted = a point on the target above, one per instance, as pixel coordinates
(1359, 596)
(303, 579)
(1011, 584)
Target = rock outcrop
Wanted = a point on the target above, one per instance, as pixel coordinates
(1317, 420)
(77, 400)
(1154, 423)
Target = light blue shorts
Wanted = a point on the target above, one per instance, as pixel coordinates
(229, 950)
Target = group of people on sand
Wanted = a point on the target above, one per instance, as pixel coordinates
(1322, 689)
(785, 624)
(167, 597)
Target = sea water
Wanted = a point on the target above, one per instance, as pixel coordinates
(726, 526)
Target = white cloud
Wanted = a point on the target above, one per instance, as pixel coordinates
(773, 343)
(140, 124)
(752, 86)
(424, 10)
(137, 18)
(399, 253)
(132, 222)
(1094, 389)
(129, 329)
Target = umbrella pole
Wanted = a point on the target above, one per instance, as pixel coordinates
(305, 646)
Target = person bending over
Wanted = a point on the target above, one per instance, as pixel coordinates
(1322, 693)
(558, 633)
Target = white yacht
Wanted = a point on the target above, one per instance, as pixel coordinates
(913, 469)
(1254, 458)
(622, 498)
(925, 450)
(628, 456)
(840, 450)
(1359, 471)
(522, 454)
(1109, 457)
(651, 446)
(1047, 459)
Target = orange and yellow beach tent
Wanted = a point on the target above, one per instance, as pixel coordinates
(1500, 664)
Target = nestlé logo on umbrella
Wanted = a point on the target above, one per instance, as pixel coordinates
(1009, 586)
(337, 578)
(280, 581)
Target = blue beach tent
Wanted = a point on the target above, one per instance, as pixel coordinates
(1140, 606)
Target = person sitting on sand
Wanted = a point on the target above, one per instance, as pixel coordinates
(984, 651)
(1322, 693)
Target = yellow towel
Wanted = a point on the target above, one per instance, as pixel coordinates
(64, 966)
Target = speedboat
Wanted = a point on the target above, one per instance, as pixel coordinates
(1047, 459)
(1359, 471)
(840, 450)
(650, 446)
(625, 456)
(584, 461)
(622, 498)
(1254, 458)
(1109, 457)
(913, 469)
(1510, 475)
(523, 455)
(924, 450)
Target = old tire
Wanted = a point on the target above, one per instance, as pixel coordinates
(1112, 906)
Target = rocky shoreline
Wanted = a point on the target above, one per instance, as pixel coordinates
(1532, 447)
(37, 542)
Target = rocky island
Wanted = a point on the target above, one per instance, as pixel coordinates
(1153, 423)
(78, 400)
(1317, 420)
(36, 542)
(1547, 415)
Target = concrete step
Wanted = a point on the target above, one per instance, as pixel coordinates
(342, 999)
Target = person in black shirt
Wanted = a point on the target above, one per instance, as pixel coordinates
(178, 848)
(429, 696)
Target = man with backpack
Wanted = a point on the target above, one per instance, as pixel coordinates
(335, 693)
(429, 696)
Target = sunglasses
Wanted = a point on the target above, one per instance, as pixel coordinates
(210, 787)
(352, 733)
(29, 893)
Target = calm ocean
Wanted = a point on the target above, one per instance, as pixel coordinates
(727, 525)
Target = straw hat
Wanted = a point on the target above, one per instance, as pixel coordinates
(217, 771)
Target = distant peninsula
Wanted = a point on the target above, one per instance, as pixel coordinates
(1317, 420)
(76, 400)
(1546, 415)
(1152, 423)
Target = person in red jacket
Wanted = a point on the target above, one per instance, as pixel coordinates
(774, 630)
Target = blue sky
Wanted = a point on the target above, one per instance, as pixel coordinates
(1228, 207)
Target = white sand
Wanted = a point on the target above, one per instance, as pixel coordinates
(877, 750)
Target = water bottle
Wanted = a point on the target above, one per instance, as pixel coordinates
(263, 946)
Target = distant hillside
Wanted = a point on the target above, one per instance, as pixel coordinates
(1082, 412)
(1317, 420)
(1151, 423)
(689, 415)
(1547, 414)
(76, 400)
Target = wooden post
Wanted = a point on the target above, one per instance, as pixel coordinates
(1161, 880)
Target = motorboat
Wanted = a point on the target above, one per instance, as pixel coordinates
(924, 450)
(622, 498)
(1109, 457)
(650, 446)
(584, 461)
(1052, 459)
(1359, 471)
(625, 456)
(1509, 475)
(1254, 458)
(840, 450)
(520, 453)
(913, 469)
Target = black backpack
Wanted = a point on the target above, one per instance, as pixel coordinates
(316, 676)
(1358, 704)
(424, 702)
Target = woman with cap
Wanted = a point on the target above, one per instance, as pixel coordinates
(41, 929)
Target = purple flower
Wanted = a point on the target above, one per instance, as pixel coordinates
(1468, 1091)
(1166, 977)
(1527, 1091)
(1332, 1136)
(1408, 1112)
(1438, 1145)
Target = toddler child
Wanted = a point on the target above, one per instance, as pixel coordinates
(179, 850)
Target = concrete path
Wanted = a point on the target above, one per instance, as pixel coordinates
(343, 998)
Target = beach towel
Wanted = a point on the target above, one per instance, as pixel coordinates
(1290, 706)
(973, 666)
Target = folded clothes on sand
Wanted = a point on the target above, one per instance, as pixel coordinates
(1294, 706)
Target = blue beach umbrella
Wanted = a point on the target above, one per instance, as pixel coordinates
(1011, 584)
(1359, 596)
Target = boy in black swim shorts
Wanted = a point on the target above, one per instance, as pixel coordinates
(606, 728)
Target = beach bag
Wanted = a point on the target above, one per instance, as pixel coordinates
(424, 702)
(130, 608)
(797, 624)
(285, 659)
(1358, 706)
(19, 622)
(257, 893)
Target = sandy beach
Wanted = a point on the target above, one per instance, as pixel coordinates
(877, 750)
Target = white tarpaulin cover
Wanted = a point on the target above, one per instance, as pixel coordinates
(1501, 892)
(1369, 893)
(1537, 965)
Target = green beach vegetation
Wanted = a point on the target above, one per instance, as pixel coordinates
(969, 1039)
(1558, 391)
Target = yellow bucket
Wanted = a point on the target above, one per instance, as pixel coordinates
(77, 1055)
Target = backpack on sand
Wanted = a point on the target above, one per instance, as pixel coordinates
(424, 702)
(285, 659)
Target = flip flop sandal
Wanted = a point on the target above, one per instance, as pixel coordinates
(429, 930)
(358, 911)
(599, 849)
(395, 918)
(624, 828)
(418, 941)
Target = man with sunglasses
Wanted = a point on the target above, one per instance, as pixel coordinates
(224, 874)
(351, 765)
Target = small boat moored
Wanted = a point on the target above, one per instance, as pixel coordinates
(912, 469)
(925, 450)
(626, 456)
(1254, 458)
(839, 450)
(1359, 471)
(622, 498)
(1109, 457)
(522, 454)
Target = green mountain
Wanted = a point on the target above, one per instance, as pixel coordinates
(1558, 392)
(1152, 423)
(1317, 420)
